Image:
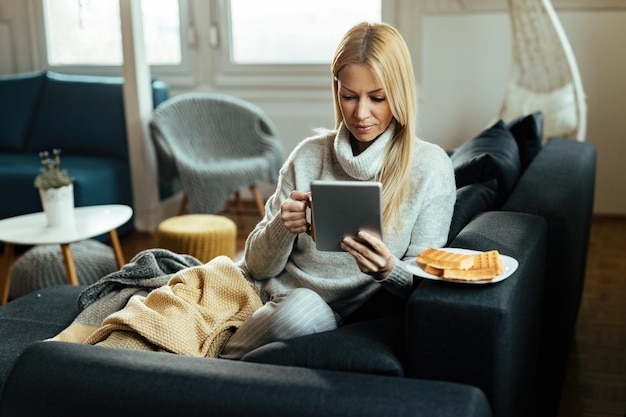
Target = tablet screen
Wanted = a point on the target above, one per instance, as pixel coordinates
(342, 208)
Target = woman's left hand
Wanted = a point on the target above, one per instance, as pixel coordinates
(371, 254)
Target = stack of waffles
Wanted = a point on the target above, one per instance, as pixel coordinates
(482, 266)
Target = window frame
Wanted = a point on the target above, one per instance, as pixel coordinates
(181, 73)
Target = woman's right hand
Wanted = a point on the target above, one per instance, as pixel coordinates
(293, 212)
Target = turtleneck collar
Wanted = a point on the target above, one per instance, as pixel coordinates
(368, 163)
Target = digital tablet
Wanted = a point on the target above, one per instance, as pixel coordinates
(342, 208)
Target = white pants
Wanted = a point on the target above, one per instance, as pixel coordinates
(296, 313)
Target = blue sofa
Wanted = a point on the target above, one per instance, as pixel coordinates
(81, 115)
(451, 349)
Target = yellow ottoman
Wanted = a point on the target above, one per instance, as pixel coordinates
(203, 236)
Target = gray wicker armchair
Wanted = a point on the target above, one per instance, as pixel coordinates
(216, 144)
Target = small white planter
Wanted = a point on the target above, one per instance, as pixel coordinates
(58, 204)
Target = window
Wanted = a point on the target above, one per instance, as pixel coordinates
(306, 32)
(283, 43)
(228, 44)
(87, 32)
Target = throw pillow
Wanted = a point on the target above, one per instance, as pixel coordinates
(471, 200)
(492, 154)
(528, 133)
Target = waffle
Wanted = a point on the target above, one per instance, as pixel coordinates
(432, 270)
(487, 265)
(441, 259)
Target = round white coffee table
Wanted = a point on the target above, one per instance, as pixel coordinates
(33, 229)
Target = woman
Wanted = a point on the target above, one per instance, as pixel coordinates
(306, 291)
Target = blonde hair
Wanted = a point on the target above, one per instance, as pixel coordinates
(382, 48)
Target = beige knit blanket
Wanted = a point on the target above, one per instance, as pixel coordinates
(194, 314)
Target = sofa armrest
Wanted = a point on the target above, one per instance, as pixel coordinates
(65, 379)
(484, 335)
(559, 185)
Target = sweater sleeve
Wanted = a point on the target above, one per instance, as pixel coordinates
(399, 282)
(268, 246)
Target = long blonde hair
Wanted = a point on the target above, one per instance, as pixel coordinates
(382, 48)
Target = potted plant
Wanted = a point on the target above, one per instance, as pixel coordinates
(56, 189)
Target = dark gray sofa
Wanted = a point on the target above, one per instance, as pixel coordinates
(452, 349)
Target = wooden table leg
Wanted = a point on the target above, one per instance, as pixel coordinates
(68, 262)
(5, 278)
(117, 248)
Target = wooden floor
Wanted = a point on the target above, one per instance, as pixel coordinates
(595, 384)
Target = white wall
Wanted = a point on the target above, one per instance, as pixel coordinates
(465, 67)
(598, 41)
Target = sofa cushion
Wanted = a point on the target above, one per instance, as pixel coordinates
(81, 115)
(368, 347)
(528, 133)
(471, 200)
(492, 154)
(53, 305)
(18, 97)
(36, 316)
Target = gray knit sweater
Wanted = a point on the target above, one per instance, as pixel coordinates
(279, 261)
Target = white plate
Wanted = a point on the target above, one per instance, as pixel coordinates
(509, 265)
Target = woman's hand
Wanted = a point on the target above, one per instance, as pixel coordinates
(371, 254)
(293, 212)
